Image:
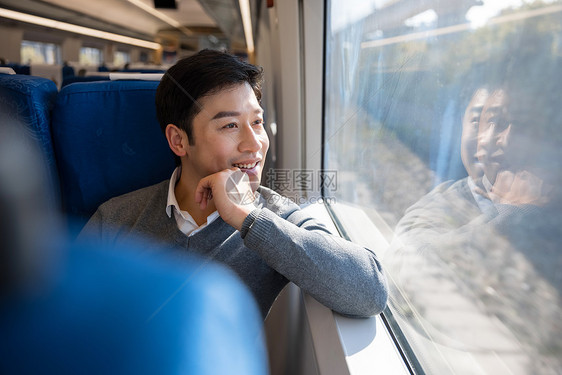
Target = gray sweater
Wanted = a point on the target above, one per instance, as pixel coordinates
(278, 243)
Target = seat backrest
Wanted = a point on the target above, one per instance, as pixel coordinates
(113, 311)
(107, 142)
(28, 101)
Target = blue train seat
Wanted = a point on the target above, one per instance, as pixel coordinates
(28, 101)
(110, 311)
(107, 142)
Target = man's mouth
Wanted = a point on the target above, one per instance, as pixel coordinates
(246, 166)
(498, 154)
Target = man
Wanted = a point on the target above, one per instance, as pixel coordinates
(208, 108)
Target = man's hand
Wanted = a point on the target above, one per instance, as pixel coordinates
(231, 191)
(519, 188)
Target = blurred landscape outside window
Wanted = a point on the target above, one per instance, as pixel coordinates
(120, 58)
(40, 53)
(91, 56)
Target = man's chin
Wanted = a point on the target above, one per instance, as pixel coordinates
(491, 171)
(254, 181)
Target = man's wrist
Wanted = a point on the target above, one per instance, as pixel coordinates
(239, 215)
(248, 222)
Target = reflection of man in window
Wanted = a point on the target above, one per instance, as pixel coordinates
(469, 138)
(469, 143)
(488, 242)
(452, 204)
(510, 170)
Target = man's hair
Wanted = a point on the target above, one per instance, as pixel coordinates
(197, 76)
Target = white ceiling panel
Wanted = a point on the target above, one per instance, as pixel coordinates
(121, 13)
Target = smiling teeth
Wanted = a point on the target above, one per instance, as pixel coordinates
(246, 166)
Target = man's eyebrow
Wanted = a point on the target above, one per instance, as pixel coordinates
(477, 109)
(494, 110)
(223, 114)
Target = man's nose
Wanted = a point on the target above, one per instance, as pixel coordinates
(250, 140)
(485, 136)
(503, 137)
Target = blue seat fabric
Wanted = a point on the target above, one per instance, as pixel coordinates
(108, 311)
(107, 142)
(28, 100)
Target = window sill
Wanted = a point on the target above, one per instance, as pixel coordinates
(344, 345)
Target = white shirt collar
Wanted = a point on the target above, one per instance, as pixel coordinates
(172, 201)
(186, 223)
(487, 184)
(482, 202)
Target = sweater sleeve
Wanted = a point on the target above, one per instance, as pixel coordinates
(340, 274)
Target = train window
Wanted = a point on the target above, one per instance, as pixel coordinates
(40, 53)
(91, 56)
(121, 58)
(443, 122)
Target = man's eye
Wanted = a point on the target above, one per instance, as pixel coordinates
(230, 126)
(258, 122)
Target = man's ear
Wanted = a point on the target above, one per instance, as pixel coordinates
(177, 140)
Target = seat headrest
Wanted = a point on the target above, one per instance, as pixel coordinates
(6, 70)
(108, 142)
(136, 76)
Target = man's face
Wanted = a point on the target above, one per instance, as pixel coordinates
(494, 136)
(469, 139)
(228, 132)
